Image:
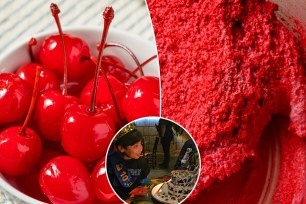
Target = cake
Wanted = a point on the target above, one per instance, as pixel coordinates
(181, 183)
(179, 186)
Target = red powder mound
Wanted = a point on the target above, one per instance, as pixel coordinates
(275, 175)
(291, 185)
(226, 67)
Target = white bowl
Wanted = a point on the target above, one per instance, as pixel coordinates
(18, 55)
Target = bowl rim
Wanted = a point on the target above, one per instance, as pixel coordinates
(24, 40)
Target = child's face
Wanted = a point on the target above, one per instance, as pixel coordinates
(133, 151)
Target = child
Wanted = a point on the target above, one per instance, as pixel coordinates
(126, 168)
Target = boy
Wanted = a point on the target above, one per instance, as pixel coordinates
(126, 168)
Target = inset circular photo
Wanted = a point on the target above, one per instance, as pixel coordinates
(153, 160)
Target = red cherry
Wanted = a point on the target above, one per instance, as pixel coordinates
(29, 183)
(142, 98)
(86, 132)
(108, 62)
(104, 98)
(86, 136)
(101, 186)
(65, 180)
(18, 152)
(48, 80)
(15, 97)
(50, 108)
(20, 146)
(130, 52)
(52, 105)
(62, 50)
(75, 87)
(51, 55)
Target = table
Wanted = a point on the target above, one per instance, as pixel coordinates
(142, 193)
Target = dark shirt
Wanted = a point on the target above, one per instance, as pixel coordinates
(138, 169)
(168, 125)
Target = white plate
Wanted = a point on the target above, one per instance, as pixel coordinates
(166, 199)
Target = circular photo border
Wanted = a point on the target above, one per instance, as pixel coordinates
(122, 156)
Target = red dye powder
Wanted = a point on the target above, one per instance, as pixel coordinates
(291, 185)
(227, 66)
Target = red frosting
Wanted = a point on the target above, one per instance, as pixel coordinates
(226, 67)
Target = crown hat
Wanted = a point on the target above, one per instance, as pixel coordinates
(128, 128)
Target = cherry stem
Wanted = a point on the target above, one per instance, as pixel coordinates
(129, 52)
(142, 65)
(95, 61)
(32, 42)
(55, 11)
(32, 104)
(108, 16)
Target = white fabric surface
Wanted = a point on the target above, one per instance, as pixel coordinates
(24, 18)
(21, 19)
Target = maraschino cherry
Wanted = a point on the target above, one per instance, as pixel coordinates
(87, 131)
(29, 183)
(77, 53)
(48, 80)
(15, 97)
(65, 180)
(142, 98)
(101, 186)
(20, 147)
(52, 104)
(104, 98)
(113, 65)
(75, 86)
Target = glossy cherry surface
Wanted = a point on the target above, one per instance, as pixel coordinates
(50, 108)
(101, 186)
(29, 183)
(18, 152)
(107, 61)
(65, 180)
(15, 97)
(142, 98)
(48, 80)
(104, 98)
(75, 86)
(77, 51)
(86, 135)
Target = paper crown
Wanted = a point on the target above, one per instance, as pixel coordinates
(130, 127)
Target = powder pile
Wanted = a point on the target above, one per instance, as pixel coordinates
(226, 67)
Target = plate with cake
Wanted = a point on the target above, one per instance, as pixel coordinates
(176, 189)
